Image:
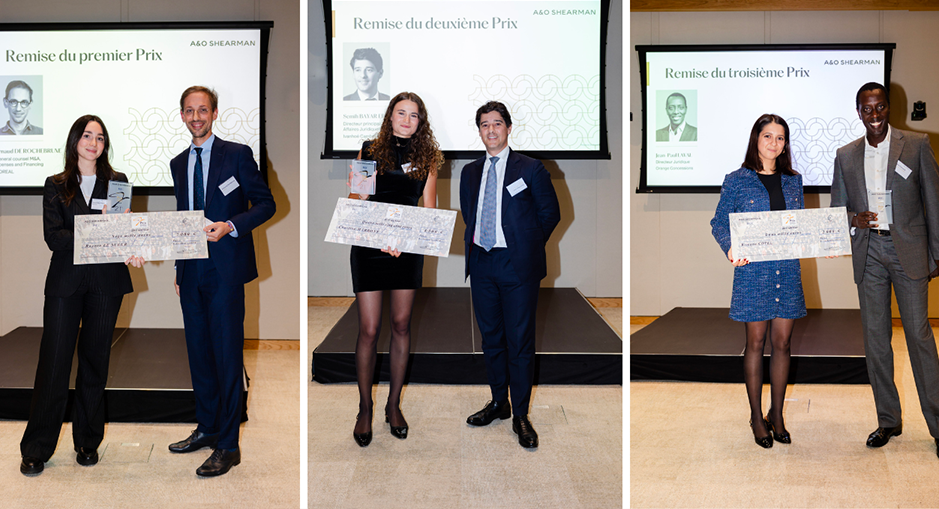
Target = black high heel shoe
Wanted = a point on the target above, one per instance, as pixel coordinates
(396, 431)
(362, 439)
(782, 437)
(764, 442)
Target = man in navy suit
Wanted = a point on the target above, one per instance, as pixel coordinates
(510, 209)
(211, 291)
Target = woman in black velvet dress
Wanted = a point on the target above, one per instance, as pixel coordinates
(408, 158)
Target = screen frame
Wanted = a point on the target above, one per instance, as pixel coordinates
(642, 49)
(265, 28)
(603, 152)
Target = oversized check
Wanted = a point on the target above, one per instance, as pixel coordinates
(107, 238)
(367, 223)
(790, 234)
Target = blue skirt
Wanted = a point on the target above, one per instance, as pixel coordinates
(767, 290)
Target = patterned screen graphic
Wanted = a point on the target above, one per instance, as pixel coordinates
(157, 135)
(552, 112)
(814, 142)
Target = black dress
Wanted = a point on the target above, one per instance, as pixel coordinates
(373, 270)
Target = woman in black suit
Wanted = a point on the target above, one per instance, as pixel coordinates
(89, 295)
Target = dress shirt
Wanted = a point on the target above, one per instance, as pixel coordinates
(875, 171)
(206, 157)
(675, 135)
(87, 186)
(364, 97)
(500, 181)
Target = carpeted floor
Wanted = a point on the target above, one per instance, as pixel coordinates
(137, 470)
(444, 463)
(690, 446)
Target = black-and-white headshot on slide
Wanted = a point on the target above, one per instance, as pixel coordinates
(368, 69)
(677, 108)
(18, 101)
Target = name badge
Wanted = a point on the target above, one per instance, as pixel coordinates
(516, 187)
(98, 204)
(229, 185)
(406, 168)
(903, 170)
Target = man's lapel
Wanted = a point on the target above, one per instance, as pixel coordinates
(215, 166)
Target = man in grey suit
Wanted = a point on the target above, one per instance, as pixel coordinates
(676, 106)
(890, 166)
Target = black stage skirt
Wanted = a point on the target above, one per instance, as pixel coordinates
(373, 270)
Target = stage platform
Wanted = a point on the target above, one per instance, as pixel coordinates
(573, 344)
(704, 345)
(148, 376)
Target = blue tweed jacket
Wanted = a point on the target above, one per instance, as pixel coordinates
(762, 290)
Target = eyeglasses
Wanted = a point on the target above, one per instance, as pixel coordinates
(15, 103)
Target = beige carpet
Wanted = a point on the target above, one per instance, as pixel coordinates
(137, 470)
(690, 446)
(445, 463)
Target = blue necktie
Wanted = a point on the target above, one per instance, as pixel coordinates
(198, 186)
(487, 229)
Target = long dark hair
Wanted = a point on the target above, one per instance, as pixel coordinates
(424, 153)
(783, 160)
(70, 178)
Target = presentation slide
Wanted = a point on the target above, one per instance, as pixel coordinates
(542, 59)
(132, 79)
(701, 105)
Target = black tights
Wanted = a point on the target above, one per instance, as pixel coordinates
(778, 371)
(369, 306)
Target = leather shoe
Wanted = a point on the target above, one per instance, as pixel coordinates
(219, 462)
(881, 436)
(86, 457)
(494, 410)
(197, 440)
(31, 466)
(522, 427)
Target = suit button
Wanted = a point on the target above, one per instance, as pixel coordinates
(777, 286)
(777, 299)
(777, 272)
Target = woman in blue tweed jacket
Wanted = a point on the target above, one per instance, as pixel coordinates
(764, 292)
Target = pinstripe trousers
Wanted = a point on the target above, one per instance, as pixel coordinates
(95, 314)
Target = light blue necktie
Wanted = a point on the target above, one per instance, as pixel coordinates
(487, 230)
(198, 186)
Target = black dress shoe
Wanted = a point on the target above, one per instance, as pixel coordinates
(219, 462)
(86, 457)
(881, 436)
(197, 440)
(397, 431)
(31, 466)
(494, 410)
(764, 442)
(363, 439)
(782, 437)
(522, 427)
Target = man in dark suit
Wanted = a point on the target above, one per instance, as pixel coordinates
(510, 209)
(677, 129)
(367, 70)
(890, 167)
(220, 178)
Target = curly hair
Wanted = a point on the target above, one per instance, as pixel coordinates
(424, 153)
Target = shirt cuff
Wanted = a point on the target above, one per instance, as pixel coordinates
(234, 232)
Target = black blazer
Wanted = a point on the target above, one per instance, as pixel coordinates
(58, 225)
